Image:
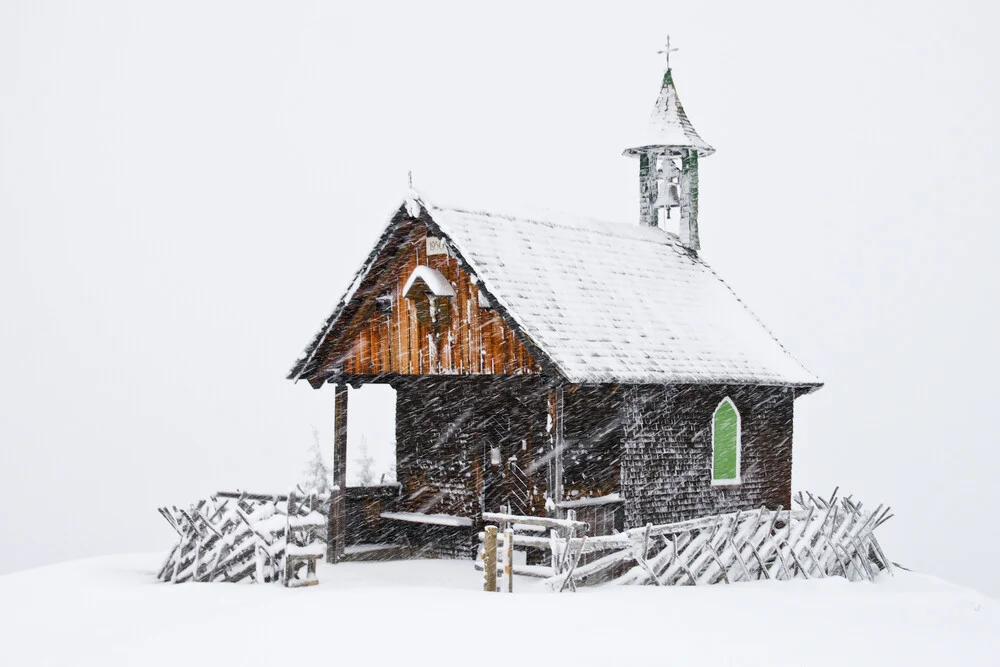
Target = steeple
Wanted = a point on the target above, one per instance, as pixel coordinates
(668, 163)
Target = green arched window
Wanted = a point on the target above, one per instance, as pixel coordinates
(726, 443)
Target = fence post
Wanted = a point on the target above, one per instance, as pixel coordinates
(508, 536)
(490, 560)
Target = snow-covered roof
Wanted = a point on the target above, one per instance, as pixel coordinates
(668, 125)
(603, 302)
(434, 279)
(611, 302)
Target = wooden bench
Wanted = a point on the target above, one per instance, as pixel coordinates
(303, 546)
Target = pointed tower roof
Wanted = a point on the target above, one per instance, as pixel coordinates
(669, 126)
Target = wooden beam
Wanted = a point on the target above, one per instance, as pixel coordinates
(266, 497)
(556, 434)
(337, 520)
(547, 522)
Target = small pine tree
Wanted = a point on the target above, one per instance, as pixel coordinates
(366, 465)
(318, 476)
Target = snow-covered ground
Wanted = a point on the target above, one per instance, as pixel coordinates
(110, 611)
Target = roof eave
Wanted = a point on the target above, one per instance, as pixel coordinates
(803, 389)
(668, 149)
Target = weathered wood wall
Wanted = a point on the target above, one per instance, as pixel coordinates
(364, 507)
(445, 427)
(475, 340)
(666, 471)
(651, 444)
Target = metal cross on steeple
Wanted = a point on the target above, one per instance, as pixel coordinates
(667, 51)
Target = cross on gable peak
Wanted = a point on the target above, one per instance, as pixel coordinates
(667, 50)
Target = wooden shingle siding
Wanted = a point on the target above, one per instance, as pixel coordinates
(666, 472)
(593, 433)
(471, 340)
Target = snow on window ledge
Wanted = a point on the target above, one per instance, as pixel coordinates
(434, 279)
(726, 482)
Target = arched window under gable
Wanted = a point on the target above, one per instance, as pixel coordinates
(726, 443)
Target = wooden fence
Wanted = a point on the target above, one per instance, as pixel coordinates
(244, 536)
(498, 547)
(826, 537)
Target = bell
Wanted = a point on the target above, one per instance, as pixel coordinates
(668, 196)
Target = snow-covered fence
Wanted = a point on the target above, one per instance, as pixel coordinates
(827, 537)
(498, 547)
(245, 536)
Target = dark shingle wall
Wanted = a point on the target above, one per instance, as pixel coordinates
(667, 451)
(593, 434)
(652, 443)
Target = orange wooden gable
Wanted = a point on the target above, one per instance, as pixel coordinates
(376, 337)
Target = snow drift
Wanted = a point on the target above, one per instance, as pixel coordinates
(111, 611)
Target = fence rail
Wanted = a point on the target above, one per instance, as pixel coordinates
(238, 536)
(826, 537)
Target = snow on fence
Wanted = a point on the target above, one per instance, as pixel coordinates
(246, 536)
(501, 558)
(825, 538)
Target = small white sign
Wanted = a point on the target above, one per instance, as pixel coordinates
(436, 246)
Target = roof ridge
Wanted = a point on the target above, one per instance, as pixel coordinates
(600, 225)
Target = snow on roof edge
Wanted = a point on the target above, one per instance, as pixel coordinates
(818, 382)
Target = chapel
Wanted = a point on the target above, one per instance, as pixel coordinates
(542, 364)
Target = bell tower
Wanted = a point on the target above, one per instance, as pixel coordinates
(668, 164)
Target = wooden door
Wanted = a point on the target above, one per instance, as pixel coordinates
(505, 482)
(495, 437)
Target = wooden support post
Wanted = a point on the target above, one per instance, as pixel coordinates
(556, 435)
(490, 560)
(337, 520)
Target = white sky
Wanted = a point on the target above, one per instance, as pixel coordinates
(186, 188)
